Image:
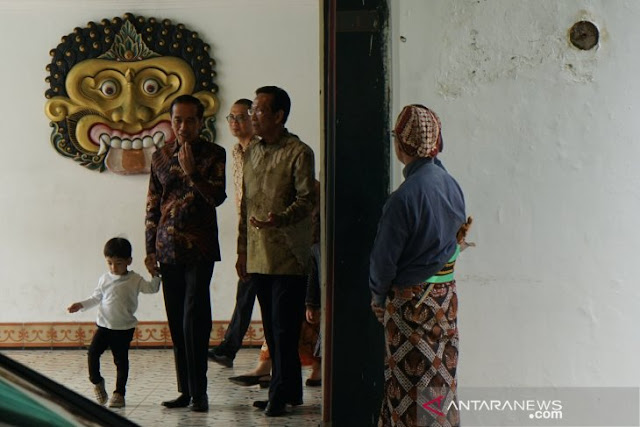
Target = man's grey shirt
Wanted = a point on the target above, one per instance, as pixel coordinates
(417, 230)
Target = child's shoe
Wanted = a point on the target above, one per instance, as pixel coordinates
(100, 392)
(117, 400)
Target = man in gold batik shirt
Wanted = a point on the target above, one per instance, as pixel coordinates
(275, 237)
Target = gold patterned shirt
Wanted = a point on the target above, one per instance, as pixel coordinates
(238, 160)
(278, 178)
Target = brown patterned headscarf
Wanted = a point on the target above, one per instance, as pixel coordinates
(418, 131)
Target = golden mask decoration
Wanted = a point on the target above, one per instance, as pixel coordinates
(111, 88)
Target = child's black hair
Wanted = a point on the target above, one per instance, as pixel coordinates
(117, 247)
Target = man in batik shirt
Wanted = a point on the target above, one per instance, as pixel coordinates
(186, 185)
(240, 127)
(275, 236)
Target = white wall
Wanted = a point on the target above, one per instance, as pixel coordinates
(543, 139)
(56, 215)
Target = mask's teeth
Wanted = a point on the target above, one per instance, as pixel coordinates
(158, 138)
(104, 141)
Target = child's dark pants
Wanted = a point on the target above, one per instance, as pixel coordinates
(119, 342)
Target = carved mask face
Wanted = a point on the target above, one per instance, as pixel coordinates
(116, 112)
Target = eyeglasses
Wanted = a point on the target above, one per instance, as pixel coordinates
(238, 118)
(255, 111)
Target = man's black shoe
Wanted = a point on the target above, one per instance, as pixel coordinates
(313, 383)
(262, 404)
(246, 380)
(220, 359)
(275, 410)
(200, 404)
(181, 402)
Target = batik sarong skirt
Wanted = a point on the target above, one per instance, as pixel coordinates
(421, 358)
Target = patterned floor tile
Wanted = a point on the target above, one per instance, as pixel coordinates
(152, 380)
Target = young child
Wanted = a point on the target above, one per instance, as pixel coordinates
(117, 300)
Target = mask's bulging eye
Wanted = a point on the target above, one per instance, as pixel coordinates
(151, 86)
(109, 88)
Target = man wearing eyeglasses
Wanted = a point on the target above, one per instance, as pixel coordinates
(240, 127)
(275, 237)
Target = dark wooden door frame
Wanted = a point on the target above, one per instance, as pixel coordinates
(355, 186)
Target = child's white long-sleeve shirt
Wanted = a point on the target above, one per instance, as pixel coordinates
(117, 297)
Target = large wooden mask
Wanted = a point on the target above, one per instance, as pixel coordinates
(111, 88)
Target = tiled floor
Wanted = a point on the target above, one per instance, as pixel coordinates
(152, 380)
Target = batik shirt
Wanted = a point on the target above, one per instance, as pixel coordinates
(238, 162)
(278, 178)
(181, 224)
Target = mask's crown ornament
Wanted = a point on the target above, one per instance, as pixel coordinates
(128, 46)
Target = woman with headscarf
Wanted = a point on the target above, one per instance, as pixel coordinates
(411, 279)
